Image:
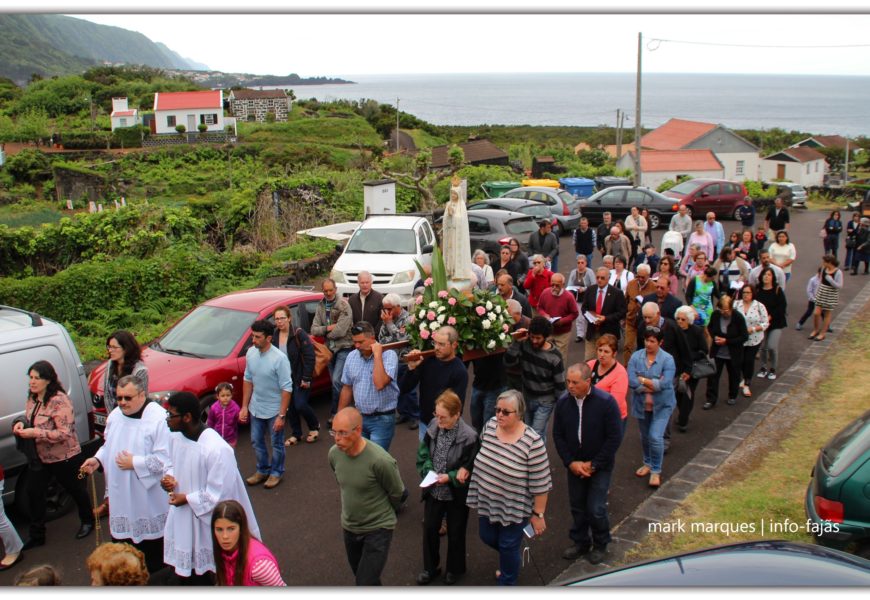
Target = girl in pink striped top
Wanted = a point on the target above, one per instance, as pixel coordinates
(240, 559)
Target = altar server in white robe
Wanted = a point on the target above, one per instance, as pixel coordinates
(204, 472)
(134, 457)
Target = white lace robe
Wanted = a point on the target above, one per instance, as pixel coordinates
(137, 503)
(206, 471)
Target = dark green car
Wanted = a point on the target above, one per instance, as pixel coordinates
(838, 497)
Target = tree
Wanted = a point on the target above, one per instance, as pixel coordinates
(29, 165)
(422, 178)
(32, 125)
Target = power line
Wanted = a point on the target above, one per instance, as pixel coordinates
(655, 43)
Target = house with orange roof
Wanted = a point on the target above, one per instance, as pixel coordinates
(738, 157)
(122, 115)
(189, 109)
(799, 164)
(658, 166)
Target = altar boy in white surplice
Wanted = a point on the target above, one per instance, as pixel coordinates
(204, 472)
(134, 457)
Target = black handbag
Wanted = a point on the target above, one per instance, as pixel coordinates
(703, 367)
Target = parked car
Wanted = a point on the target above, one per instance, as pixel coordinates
(793, 194)
(618, 201)
(747, 564)
(386, 246)
(537, 210)
(207, 346)
(605, 181)
(701, 196)
(25, 338)
(563, 205)
(838, 496)
(491, 228)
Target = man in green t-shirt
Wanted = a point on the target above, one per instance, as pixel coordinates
(371, 492)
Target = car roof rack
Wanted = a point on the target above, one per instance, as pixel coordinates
(35, 319)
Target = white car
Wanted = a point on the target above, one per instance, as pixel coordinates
(385, 246)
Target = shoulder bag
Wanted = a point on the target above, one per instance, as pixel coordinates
(322, 355)
(703, 368)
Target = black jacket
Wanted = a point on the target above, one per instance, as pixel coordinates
(601, 430)
(300, 353)
(374, 304)
(667, 308)
(735, 335)
(583, 241)
(613, 309)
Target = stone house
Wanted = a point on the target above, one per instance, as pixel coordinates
(254, 105)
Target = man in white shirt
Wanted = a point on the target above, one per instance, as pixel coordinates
(714, 228)
(203, 473)
(682, 223)
(134, 456)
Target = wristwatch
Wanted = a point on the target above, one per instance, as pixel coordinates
(540, 515)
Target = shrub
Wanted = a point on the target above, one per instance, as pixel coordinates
(180, 128)
(202, 127)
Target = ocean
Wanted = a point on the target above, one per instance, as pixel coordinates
(820, 105)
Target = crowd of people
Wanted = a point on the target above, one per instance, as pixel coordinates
(652, 328)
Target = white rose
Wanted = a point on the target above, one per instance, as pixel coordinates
(497, 309)
(422, 327)
(422, 313)
(486, 324)
(441, 309)
(502, 336)
(433, 304)
(491, 344)
(441, 318)
(488, 305)
(434, 325)
(491, 316)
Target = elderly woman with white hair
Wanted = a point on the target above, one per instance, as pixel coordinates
(510, 482)
(697, 344)
(481, 259)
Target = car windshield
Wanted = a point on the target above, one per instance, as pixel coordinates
(207, 332)
(847, 446)
(687, 187)
(521, 226)
(382, 241)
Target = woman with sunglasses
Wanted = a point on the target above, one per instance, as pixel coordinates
(509, 483)
(651, 373)
(668, 270)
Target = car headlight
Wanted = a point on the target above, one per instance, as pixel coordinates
(161, 398)
(337, 276)
(403, 277)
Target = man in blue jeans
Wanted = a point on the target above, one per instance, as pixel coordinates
(369, 381)
(587, 431)
(265, 398)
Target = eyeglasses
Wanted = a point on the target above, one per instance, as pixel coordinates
(170, 416)
(357, 329)
(602, 277)
(340, 433)
(504, 411)
(111, 347)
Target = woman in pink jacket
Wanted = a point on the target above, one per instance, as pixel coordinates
(240, 558)
(610, 376)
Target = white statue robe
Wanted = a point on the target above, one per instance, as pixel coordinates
(455, 238)
(206, 472)
(137, 504)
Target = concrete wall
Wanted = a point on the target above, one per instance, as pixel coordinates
(794, 171)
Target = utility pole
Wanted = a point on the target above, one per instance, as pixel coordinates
(637, 128)
(846, 164)
(618, 135)
(397, 125)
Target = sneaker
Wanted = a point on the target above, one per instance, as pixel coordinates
(799, 326)
(256, 478)
(771, 375)
(413, 425)
(271, 482)
(572, 552)
(596, 555)
(708, 405)
(746, 391)
(762, 373)
(401, 419)
(731, 401)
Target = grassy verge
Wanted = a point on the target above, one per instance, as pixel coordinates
(766, 479)
(34, 215)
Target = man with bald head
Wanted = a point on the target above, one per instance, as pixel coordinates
(560, 308)
(371, 492)
(618, 244)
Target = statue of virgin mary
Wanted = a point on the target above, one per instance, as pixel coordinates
(454, 235)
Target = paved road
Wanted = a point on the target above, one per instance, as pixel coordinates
(300, 518)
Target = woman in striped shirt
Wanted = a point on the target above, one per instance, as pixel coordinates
(509, 483)
(240, 559)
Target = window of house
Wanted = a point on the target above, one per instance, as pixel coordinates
(808, 168)
(208, 119)
(123, 122)
(817, 167)
(740, 166)
(170, 121)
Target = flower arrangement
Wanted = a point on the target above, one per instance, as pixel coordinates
(480, 317)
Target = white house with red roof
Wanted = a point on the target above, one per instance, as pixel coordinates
(123, 115)
(738, 157)
(800, 164)
(189, 109)
(658, 166)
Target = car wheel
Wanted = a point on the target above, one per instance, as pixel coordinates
(58, 501)
(654, 221)
(736, 214)
(205, 404)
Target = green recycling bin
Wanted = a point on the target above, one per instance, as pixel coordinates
(494, 189)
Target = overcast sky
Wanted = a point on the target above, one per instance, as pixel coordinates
(353, 44)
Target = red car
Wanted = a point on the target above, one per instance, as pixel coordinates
(207, 346)
(701, 196)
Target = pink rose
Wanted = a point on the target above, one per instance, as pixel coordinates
(418, 300)
(431, 315)
(428, 282)
(480, 311)
(451, 301)
(451, 320)
(425, 334)
(443, 294)
(505, 327)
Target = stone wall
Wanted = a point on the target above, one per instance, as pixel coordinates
(72, 185)
(259, 107)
